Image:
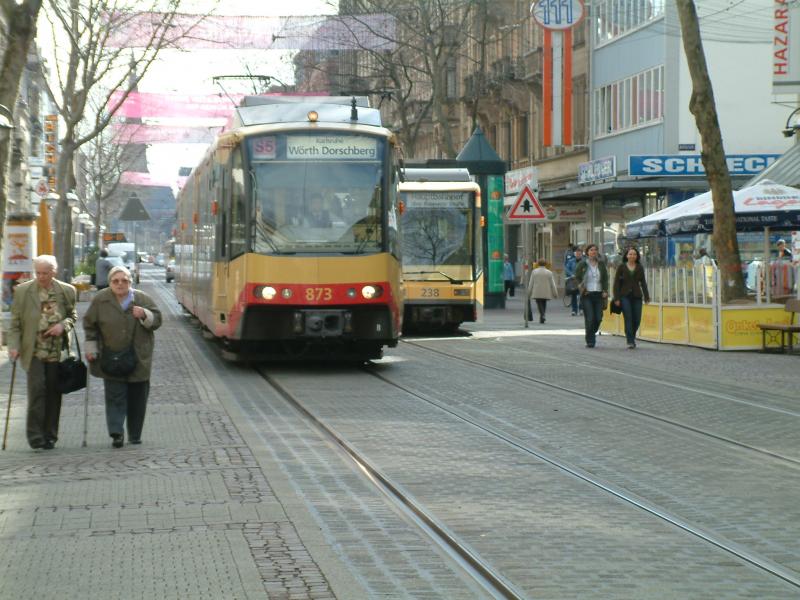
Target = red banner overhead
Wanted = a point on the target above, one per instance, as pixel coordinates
(145, 104)
(147, 179)
(332, 32)
(134, 133)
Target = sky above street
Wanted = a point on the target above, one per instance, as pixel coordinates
(191, 72)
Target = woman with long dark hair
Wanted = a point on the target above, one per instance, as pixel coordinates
(592, 276)
(630, 288)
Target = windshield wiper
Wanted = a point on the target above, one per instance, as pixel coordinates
(264, 233)
(445, 275)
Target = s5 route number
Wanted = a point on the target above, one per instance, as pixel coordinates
(317, 294)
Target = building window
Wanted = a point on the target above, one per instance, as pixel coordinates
(507, 142)
(522, 135)
(614, 18)
(635, 101)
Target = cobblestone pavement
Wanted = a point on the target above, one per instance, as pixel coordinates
(232, 495)
(188, 514)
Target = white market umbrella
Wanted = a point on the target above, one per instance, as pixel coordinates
(652, 225)
(765, 204)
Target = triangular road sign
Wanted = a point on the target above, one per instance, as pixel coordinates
(134, 211)
(526, 207)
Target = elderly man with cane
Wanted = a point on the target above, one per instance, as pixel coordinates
(42, 313)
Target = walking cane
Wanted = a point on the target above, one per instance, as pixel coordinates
(86, 411)
(8, 405)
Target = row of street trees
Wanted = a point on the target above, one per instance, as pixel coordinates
(88, 66)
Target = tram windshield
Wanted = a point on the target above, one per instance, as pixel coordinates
(316, 193)
(437, 239)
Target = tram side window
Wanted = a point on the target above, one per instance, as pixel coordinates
(238, 207)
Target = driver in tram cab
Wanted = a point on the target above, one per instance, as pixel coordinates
(317, 215)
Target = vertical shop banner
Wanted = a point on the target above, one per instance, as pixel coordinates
(18, 252)
(557, 18)
(494, 233)
(785, 47)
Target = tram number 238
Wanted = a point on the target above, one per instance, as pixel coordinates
(317, 294)
(430, 292)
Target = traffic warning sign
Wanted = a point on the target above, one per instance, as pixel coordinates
(526, 207)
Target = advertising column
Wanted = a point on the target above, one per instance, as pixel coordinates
(494, 233)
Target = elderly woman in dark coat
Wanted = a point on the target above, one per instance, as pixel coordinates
(119, 318)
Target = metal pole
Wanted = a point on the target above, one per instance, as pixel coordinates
(86, 411)
(8, 404)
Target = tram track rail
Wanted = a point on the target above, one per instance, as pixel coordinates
(470, 561)
(719, 541)
(631, 410)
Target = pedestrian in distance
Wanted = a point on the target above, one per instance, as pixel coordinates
(592, 276)
(101, 268)
(783, 253)
(569, 252)
(630, 288)
(42, 315)
(570, 281)
(541, 287)
(120, 319)
(509, 282)
(703, 258)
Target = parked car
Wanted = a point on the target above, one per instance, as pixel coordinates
(171, 271)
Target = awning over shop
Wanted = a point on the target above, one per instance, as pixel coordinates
(785, 170)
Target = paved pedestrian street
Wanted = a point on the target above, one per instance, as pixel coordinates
(234, 494)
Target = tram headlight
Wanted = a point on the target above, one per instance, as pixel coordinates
(268, 292)
(351, 292)
(371, 291)
(286, 293)
(313, 116)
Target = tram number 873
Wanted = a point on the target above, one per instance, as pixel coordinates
(318, 293)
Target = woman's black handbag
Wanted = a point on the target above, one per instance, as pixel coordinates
(71, 371)
(615, 308)
(119, 363)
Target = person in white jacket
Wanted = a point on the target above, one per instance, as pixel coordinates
(541, 287)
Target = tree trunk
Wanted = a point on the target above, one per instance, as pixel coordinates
(704, 109)
(63, 225)
(21, 31)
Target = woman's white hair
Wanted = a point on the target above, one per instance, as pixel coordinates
(119, 269)
(46, 259)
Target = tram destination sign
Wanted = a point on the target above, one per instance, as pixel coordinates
(436, 200)
(691, 165)
(331, 147)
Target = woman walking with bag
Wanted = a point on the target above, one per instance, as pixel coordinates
(592, 276)
(630, 287)
(119, 327)
(541, 287)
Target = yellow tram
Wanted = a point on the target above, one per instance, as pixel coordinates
(442, 257)
(287, 243)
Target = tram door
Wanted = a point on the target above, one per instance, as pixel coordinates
(221, 238)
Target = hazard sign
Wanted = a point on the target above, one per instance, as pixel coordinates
(526, 207)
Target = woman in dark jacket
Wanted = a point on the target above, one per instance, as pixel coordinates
(630, 287)
(119, 318)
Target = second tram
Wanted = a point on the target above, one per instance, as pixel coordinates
(288, 243)
(442, 258)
